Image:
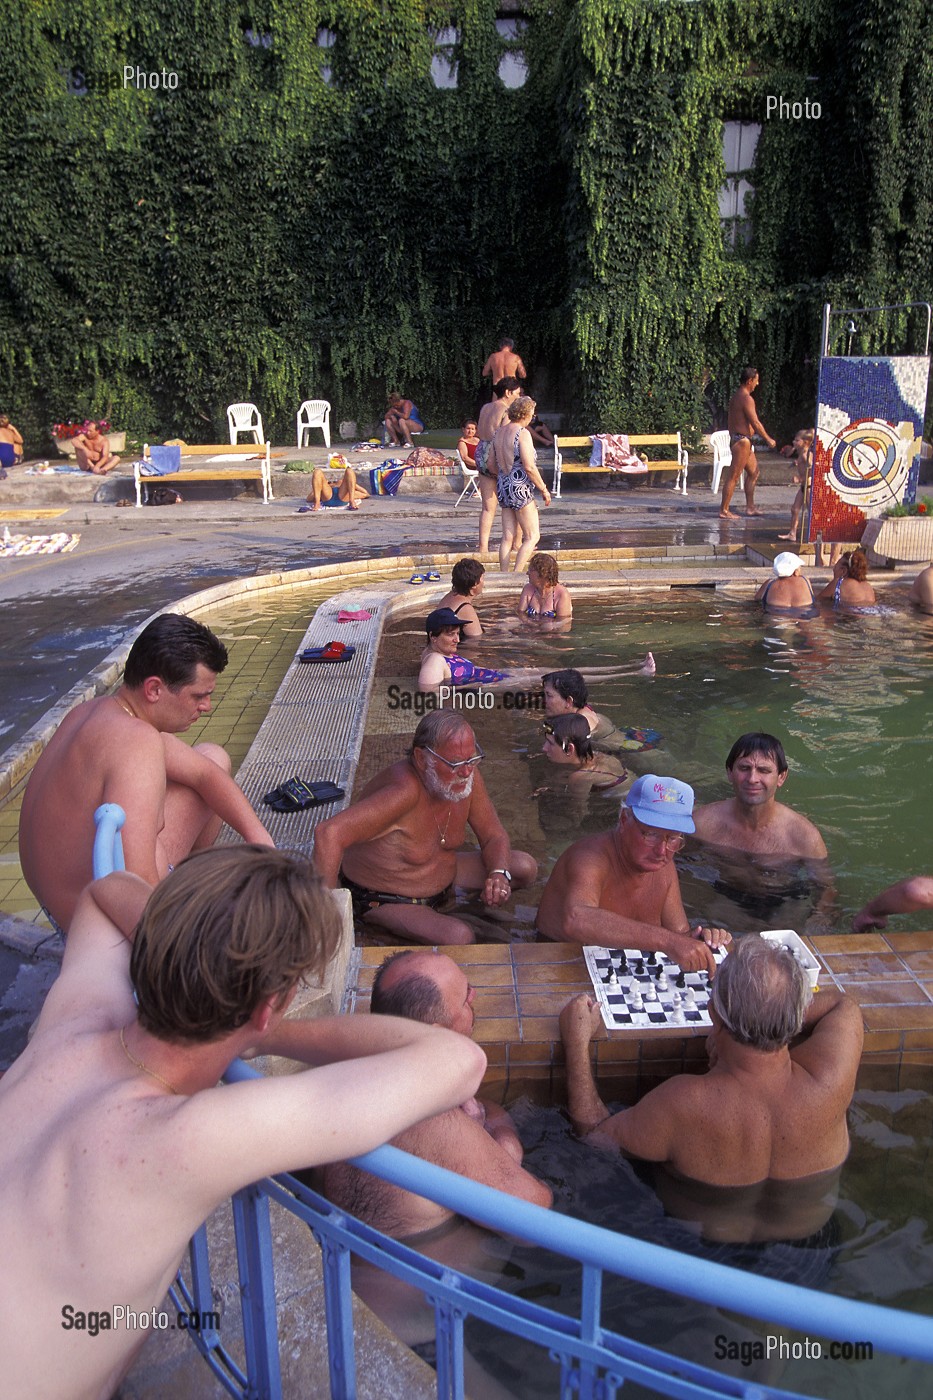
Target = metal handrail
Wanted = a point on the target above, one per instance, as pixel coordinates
(594, 1361)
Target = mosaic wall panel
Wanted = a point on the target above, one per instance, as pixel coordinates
(868, 436)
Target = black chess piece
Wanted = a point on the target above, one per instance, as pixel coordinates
(657, 972)
(682, 980)
(640, 968)
(652, 958)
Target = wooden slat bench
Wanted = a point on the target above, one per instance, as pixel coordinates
(259, 470)
(680, 466)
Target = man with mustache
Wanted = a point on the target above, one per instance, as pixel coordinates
(397, 848)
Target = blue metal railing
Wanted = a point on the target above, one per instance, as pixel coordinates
(594, 1361)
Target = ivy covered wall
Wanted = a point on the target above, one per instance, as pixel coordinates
(258, 232)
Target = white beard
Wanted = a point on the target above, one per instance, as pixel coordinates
(447, 792)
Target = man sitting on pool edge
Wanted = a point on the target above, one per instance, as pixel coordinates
(397, 848)
(620, 889)
(772, 1107)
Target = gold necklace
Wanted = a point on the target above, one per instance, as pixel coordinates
(443, 834)
(145, 1068)
(132, 714)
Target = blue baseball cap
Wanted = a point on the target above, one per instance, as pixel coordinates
(663, 802)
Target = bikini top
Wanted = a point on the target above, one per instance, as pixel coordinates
(532, 611)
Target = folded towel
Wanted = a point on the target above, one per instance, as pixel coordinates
(361, 616)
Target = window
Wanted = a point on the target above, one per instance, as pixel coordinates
(444, 63)
(739, 143)
(513, 68)
(326, 39)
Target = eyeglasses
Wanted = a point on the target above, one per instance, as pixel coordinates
(651, 836)
(461, 763)
(547, 728)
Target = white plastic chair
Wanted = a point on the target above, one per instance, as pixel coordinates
(244, 418)
(722, 457)
(470, 475)
(313, 413)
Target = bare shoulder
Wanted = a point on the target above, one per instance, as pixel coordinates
(399, 778)
(712, 819)
(803, 833)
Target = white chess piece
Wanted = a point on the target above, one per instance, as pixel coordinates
(651, 992)
(613, 980)
(677, 1016)
(663, 983)
(690, 997)
(636, 1002)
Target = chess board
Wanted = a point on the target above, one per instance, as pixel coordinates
(681, 1003)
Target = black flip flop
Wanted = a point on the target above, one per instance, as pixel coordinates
(297, 795)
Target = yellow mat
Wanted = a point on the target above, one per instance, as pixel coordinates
(32, 514)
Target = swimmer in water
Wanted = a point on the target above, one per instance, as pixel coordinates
(763, 841)
(567, 744)
(440, 664)
(544, 596)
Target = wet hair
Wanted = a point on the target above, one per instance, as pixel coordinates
(522, 407)
(857, 563)
(466, 574)
(569, 685)
(572, 729)
(749, 372)
(436, 728)
(506, 344)
(761, 993)
(502, 386)
(172, 647)
(545, 566)
(416, 997)
(230, 928)
(765, 744)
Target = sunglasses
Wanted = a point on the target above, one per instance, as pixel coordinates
(461, 763)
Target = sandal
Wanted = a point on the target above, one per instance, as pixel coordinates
(334, 651)
(297, 795)
(416, 578)
(432, 577)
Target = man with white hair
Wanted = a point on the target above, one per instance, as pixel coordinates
(772, 1106)
(397, 848)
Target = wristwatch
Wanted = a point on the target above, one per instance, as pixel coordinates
(506, 873)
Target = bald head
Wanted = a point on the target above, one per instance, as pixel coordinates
(424, 986)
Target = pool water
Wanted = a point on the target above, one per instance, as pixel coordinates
(881, 1253)
(848, 695)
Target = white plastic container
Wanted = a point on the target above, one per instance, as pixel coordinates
(789, 939)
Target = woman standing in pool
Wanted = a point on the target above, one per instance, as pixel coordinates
(440, 664)
(544, 596)
(517, 475)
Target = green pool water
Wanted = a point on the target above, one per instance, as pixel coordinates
(848, 696)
